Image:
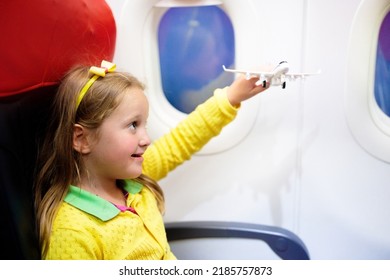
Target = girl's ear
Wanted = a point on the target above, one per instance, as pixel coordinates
(81, 141)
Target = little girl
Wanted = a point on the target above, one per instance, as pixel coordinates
(96, 191)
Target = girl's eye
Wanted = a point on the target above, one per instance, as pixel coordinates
(133, 126)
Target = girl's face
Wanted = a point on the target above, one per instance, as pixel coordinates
(122, 140)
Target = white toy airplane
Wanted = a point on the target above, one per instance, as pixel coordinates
(276, 77)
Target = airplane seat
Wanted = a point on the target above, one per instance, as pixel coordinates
(28, 82)
(22, 122)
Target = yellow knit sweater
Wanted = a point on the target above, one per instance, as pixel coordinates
(89, 227)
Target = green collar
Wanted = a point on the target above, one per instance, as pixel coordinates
(97, 206)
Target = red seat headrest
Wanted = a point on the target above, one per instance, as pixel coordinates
(41, 40)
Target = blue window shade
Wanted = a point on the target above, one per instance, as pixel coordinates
(194, 43)
(382, 71)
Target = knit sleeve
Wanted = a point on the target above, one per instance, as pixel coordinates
(189, 136)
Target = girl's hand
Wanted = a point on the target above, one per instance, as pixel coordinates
(242, 89)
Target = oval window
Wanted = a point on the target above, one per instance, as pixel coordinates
(367, 90)
(382, 68)
(194, 43)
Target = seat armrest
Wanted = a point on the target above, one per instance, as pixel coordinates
(283, 242)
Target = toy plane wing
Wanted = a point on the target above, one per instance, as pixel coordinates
(248, 73)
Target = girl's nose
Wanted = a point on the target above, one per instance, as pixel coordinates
(145, 140)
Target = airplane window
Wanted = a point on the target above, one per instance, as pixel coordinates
(194, 43)
(382, 71)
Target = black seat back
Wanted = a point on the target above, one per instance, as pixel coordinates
(23, 119)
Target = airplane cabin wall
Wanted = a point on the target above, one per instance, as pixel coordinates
(300, 166)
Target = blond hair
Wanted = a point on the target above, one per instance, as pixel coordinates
(59, 165)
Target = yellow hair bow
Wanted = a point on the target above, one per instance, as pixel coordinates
(101, 71)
